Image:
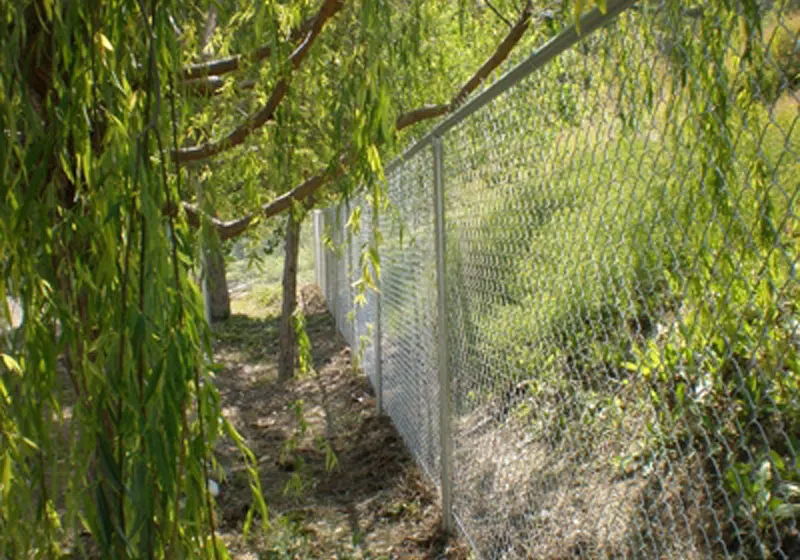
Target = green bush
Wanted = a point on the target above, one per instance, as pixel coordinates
(642, 269)
(782, 67)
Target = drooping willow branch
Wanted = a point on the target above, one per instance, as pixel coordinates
(232, 63)
(203, 78)
(266, 113)
(503, 18)
(232, 228)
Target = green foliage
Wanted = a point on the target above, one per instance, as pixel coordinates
(108, 410)
(629, 254)
(782, 70)
(373, 61)
(305, 360)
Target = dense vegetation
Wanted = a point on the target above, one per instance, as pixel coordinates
(632, 270)
(112, 112)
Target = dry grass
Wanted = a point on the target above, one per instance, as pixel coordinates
(561, 495)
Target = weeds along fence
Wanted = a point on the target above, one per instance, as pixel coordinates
(587, 323)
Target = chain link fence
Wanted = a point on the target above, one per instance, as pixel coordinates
(616, 303)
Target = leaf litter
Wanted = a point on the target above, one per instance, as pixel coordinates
(338, 479)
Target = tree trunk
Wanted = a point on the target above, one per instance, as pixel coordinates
(219, 300)
(286, 359)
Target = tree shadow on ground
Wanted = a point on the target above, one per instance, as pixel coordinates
(371, 501)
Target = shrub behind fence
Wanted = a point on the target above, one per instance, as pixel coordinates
(587, 327)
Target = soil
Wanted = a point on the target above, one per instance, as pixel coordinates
(337, 479)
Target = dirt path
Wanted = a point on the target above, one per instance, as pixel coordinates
(370, 501)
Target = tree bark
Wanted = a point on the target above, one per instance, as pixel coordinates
(286, 359)
(219, 300)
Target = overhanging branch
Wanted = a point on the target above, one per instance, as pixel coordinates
(500, 54)
(266, 113)
(422, 114)
(232, 228)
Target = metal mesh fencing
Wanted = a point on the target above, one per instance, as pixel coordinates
(408, 311)
(338, 255)
(339, 262)
(621, 311)
(320, 274)
(364, 303)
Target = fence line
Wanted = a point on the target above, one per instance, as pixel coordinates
(587, 324)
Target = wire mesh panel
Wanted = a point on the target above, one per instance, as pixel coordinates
(353, 308)
(346, 293)
(327, 260)
(623, 300)
(318, 224)
(340, 299)
(621, 247)
(408, 311)
(364, 302)
(331, 260)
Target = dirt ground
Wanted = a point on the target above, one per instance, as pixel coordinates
(337, 479)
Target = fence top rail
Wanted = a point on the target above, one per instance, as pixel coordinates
(589, 23)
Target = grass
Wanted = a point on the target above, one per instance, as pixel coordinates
(255, 284)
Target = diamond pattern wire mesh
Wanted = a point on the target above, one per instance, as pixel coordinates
(408, 312)
(354, 314)
(341, 296)
(410, 395)
(622, 306)
(364, 307)
(330, 263)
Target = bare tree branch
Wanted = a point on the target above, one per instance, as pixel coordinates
(262, 116)
(421, 114)
(503, 50)
(232, 228)
(212, 85)
(498, 14)
(498, 57)
(207, 86)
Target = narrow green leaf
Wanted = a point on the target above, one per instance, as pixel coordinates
(11, 364)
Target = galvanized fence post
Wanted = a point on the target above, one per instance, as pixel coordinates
(350, 315)
(319, 250)
(445, 432)
(376, 330)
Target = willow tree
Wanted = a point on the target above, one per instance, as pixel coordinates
(108, 412)
(107, 415)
